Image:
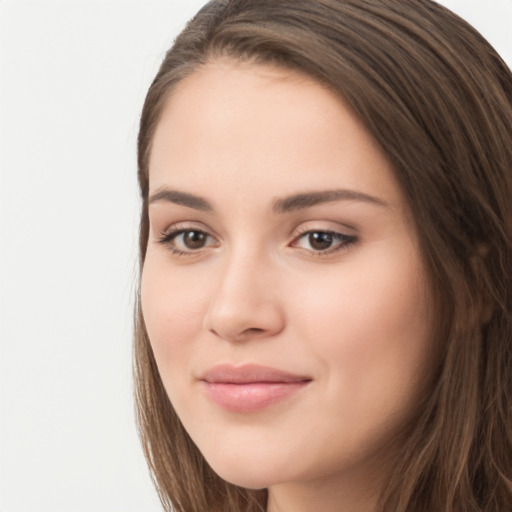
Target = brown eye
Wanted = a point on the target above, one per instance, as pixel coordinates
(320, 240)
(194, 240)
(324, 242)
(187, 241)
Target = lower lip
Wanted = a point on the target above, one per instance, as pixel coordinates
(251, 397)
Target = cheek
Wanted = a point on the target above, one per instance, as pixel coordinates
(173, 307)
(369, 322)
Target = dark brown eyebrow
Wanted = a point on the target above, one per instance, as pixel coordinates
(282, 205)
(308, 199)
(181, 198)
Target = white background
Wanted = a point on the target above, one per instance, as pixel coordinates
(73, 76)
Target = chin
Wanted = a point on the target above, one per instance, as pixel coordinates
(250, 474)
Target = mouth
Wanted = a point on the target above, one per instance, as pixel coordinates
(250, 388)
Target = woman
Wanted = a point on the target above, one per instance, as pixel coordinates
(324, 318)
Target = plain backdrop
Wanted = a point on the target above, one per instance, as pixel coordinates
(73, 76)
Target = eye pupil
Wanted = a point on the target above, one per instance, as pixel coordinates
(194, 239)
(320, 240)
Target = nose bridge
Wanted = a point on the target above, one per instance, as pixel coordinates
(245, 303)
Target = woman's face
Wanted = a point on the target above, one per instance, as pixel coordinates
(283, 290)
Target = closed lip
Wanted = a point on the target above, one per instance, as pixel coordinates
(250, 388)
(249, 374)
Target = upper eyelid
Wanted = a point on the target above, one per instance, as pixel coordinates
(305, 227)
(330, 231)
(169, 234)
(316, 225)
(334, 227)
(177, 227)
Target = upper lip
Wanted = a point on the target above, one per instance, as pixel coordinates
(249, 373)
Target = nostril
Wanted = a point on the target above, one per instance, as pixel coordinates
(254, 330)
(227, 319)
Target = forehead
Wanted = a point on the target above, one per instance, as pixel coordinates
(257, 126)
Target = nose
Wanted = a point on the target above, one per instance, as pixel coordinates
(246, 303)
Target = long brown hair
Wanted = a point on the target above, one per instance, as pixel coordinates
(438, 99)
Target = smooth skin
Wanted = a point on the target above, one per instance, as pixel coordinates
(330, 284)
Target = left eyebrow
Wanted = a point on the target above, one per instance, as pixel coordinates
(310, 199)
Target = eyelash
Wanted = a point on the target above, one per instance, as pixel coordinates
(343, 242)
(167, 237)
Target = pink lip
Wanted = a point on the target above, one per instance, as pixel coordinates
(250, 388)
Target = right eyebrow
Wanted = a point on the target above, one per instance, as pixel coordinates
(181, 198)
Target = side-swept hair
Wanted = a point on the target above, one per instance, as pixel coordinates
(438, 99)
